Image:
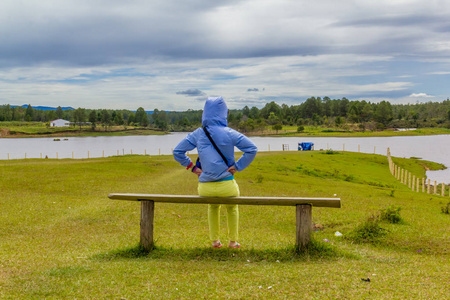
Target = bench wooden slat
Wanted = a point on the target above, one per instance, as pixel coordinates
(278, 201)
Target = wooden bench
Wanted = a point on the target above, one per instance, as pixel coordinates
(303, 210)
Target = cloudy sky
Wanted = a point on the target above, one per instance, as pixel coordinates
(172, 54)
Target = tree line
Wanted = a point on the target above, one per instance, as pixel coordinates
(315, 111)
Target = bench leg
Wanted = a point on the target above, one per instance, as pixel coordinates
(147, 215)
(303, 216)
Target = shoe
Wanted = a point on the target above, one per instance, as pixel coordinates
(218, 245)
(237, 246)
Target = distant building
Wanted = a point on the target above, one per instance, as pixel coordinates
(59, 123)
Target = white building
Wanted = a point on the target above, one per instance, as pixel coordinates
(59, 123)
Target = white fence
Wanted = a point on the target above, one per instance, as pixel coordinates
(415, 183)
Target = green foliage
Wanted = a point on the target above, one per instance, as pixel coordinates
(391, 214)
(330, 152)
(79, 116)
(259, 178)
(277, 127)
(383, 113)
(446, 209)
(300, 128)
(392, 193)
(105, 119)
(93, 119)
(368, 231)
(355, 117)
(141, 117)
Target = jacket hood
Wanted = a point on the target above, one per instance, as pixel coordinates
(215, 112)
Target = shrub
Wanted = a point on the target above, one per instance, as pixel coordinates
(349, 178)
(368, 231)
(330, 151)
(300, 128)
(259, 178)
(277, 127)
(446, 209)
(391, 214)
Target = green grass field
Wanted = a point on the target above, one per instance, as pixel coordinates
(61, 237)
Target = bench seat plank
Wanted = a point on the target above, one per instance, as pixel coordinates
(278, 201)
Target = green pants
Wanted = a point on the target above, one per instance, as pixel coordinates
(221, 189)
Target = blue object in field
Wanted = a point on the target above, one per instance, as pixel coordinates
(305, 146)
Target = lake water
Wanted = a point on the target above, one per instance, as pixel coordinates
(433, 148)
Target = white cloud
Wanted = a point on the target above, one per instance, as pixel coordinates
(420, 95)
(439, 73)
(157, 84)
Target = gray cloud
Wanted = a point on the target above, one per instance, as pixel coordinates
(103, 32)
(72, 49)
(407, 19)
(191, 93)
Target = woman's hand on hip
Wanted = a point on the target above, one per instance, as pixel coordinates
(232, 170)
(198, 172)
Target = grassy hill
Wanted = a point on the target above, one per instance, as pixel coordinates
(61, 237)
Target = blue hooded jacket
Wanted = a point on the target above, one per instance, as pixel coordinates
(214, 167)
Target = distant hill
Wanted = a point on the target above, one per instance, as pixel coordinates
(44, 107)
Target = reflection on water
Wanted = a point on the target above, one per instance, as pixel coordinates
(433, 148)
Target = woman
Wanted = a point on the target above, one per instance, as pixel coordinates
(218, 166)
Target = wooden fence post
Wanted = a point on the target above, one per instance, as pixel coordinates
(409, 179)
(435, 187)
(147, 216)
(417, 185)
(413, 182)
(429, 186)
(423, 185)
(303, 217)
(442, 189)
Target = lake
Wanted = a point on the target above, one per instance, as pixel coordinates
(434, 147)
